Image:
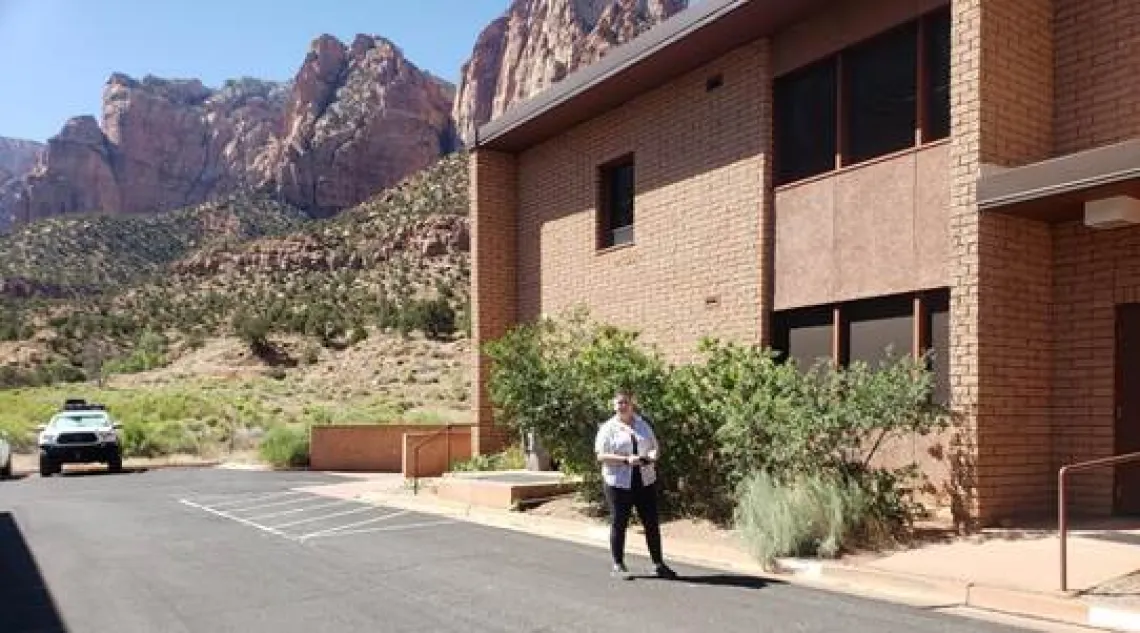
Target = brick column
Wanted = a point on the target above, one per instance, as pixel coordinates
(1001, 364)
(494, 284)
(767, 241)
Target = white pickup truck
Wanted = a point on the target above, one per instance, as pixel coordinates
(80, 434)
(5, 457)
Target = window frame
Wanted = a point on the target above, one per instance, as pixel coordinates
(605, 229)
(924, 304)
(926, 131)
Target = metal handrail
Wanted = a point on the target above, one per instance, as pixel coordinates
(425, 439)
(1062, 513)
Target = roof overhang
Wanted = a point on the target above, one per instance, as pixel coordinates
(693, 37)
(1066, 188)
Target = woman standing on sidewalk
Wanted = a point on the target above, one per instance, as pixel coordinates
(627, 449)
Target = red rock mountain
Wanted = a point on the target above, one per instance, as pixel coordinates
(355, 119)
(538, 42)
(17, 157)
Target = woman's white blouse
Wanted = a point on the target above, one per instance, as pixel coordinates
(614, 437)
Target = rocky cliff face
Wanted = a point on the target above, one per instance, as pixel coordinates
(17, 157)
(538, 42)
(354, 120)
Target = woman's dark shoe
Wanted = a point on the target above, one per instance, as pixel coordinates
(663, 571)
(619, 571)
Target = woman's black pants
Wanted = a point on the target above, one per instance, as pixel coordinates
(621, 502)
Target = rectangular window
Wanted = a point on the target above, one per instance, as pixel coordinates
(866, 329)
(615, 205)
(805, 121)
(876, 327)
(804, 335)
(936, 32)
(881, 89)
(937, 338)
(880, 96)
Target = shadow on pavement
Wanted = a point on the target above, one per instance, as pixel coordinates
(26, 605)
(102, 472)
(718, 580)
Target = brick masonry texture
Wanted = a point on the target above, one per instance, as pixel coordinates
(701, 182)
(494, 254)
(1097, 65)
(1032, 304)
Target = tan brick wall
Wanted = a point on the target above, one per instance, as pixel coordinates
(1001, 90)
(701, 177)
(1097, 63)
(1095, 271)
(374, 448)
(494, 280)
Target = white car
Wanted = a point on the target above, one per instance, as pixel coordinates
(5, 457)
(82, 433)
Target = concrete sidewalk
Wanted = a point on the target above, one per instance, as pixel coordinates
(1000, 571)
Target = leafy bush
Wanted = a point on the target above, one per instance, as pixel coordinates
(511, 458)
(812, 514)
(740, 412)
(555, 378)
(285, 446)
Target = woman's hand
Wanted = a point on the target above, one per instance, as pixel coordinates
(633, 460)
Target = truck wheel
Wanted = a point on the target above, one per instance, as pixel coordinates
(115, 464)
(47, 467)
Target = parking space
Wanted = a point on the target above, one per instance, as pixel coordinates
(302, 517)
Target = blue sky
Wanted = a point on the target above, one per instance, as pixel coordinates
(58, 53)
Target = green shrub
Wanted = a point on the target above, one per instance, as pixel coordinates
(511, 458)
(285, 446)
(556, 378)
(720, 420)
(808, 515)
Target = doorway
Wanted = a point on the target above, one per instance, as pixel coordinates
(1126, 482)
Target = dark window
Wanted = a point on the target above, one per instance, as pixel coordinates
(936, 33)
(876, 326)
(805, 121)
(938, 335)
(616, 203)
(804, 335)
(878, 109)
(882, 94)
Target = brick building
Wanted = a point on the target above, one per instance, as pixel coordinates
(829, 177)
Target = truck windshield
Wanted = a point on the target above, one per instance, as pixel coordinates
(79, 421)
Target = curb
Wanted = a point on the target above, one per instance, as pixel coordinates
(127, 467)
(906, 588)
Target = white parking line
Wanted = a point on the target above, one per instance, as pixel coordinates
(386, 528)
(296, 510)
(325, 516)
(256, 498)
(352, 525)
(275, 504)
(263, 528)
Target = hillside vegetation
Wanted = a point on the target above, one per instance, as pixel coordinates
(356, 318)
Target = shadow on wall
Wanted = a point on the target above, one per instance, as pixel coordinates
(26, 604)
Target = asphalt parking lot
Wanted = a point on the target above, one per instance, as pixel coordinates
(207, 550)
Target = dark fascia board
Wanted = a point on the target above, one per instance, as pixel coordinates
(1066, 174)
(663, 35)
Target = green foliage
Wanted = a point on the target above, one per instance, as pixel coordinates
(148, 353)
(721, 421)
(511, 458)
(809, 515)
(555, 378)
(285, 446)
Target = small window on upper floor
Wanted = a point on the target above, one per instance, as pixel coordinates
(805, 121)
(615, 202)
(936, 36)
(882, 94)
